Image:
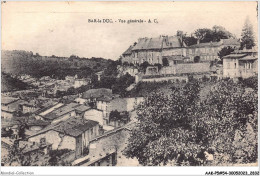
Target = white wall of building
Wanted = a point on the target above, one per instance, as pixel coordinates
(94, 115)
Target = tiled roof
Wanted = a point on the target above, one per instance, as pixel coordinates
(230, 42)
(8, 100)
(142, 44)
(128, 51)
(253, 50)
(95, 93)
(235, 56)
(157, 43)
(210, 44)
(74, 126)
(82, 108)
(108, 98)
(215, 44)
(248, 58)
(38, 123)
(27, 146)
(7, 123)
(172, 42)
(61, 111)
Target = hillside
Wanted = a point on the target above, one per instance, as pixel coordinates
(11, 84)
(24, 62)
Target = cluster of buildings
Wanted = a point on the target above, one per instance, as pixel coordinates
(95, 115)
(178, 60)
(50, 86)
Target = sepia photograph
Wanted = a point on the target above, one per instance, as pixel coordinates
(166, 84)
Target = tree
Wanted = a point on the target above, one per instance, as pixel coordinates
(182, 128)
(212, 35)
(224, 52)
(219, 32)
(71, 91)
(247, 35)
(120, 84)
(114, 116)
(163, 133)
(203, 35)
(6, 133)
(15, 156)
(189, 40)
(125, 64)
(21, 130)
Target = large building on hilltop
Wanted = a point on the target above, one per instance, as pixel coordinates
(153, 50)
(174, 50)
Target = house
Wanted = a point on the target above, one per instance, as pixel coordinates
(58, 112)
(62, 113)
(6, 111)
(29, 107)
(107, 149)
(127, 55)
(108, 104)
(209, 51)
(99, 74)
(81, 109)
(95, 115)
(108, 159)
(33, 151)
(70, 78)
(131, 70)
(34, 126)
(10, 106)
(81, 82)
(152, 50)
(241, 64)
(92, 95)
(42, 113)
(74, 134)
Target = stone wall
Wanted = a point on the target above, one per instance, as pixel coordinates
(192, 68)
(169, 78)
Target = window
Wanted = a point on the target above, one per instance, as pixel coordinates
(235, 65)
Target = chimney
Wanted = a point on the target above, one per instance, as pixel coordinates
(181, 39)
(198, 41)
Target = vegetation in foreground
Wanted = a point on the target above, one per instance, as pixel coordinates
(182, 129)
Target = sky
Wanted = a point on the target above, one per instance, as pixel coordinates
(63, 28)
